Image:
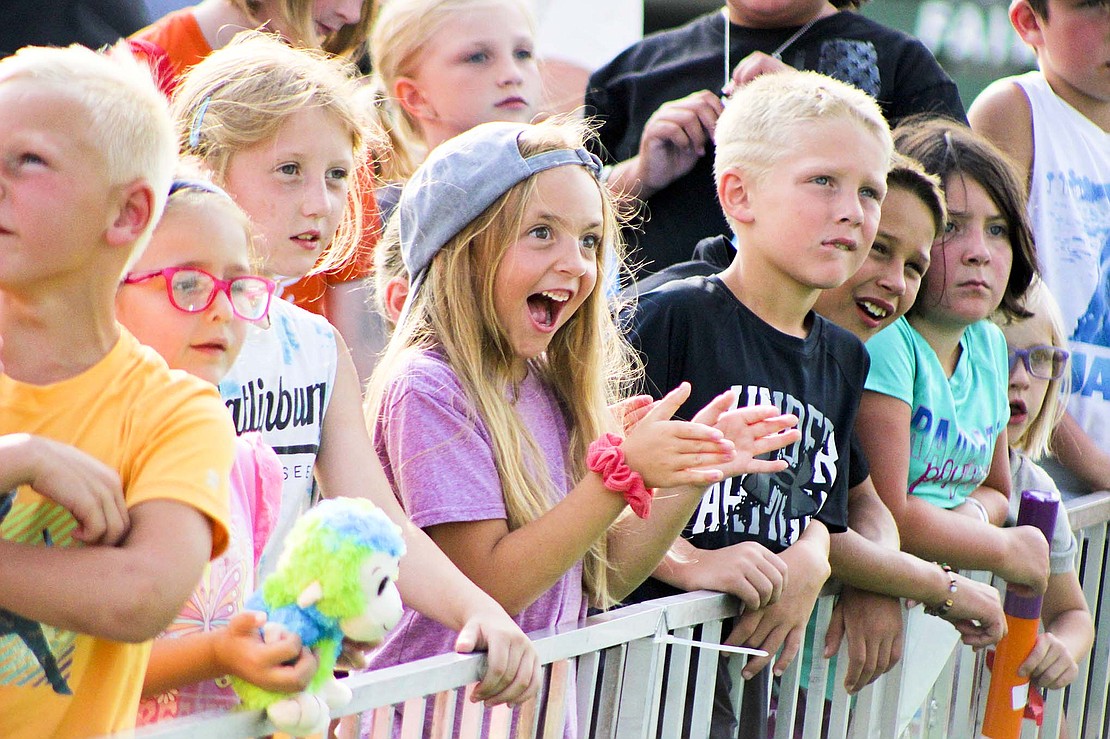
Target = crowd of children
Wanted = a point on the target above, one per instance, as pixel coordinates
(852, 343)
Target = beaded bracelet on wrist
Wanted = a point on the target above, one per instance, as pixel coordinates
(943, 609)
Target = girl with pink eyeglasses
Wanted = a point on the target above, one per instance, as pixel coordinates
(191, 296)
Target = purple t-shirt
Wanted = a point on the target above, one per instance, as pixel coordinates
(438, 457)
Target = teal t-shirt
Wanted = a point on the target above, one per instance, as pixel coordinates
(954, 421)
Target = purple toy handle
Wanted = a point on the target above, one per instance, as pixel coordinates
(1037, 508)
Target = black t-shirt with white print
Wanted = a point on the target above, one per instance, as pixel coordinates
(698, 331)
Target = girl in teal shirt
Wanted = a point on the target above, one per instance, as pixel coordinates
(934, 413)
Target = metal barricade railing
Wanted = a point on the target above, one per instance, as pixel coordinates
(632, 673)
(1085, 700)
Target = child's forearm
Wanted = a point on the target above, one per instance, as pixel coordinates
(126, 593)
(16, 463)
(815, 537)
(747, 570)
(564, 534)
(807, 561)
(1065, 614)
(272, 659)
(679, 565)
(677, 562)
(432, 584)
(184, 660)
(867, 555)
(869, 517)
(934, 533)
(86, 487)
(638, 547)
(1018, 555)
(867, 565)
(994, 502)
(1075, 630)
(490, 554)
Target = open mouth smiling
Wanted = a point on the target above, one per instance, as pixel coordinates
(546, 306)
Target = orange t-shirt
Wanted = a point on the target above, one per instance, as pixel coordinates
(179, 37)
(169, 437)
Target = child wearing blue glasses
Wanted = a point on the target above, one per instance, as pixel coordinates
(1039, 380)
(190, 296)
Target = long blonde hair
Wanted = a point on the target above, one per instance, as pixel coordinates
(399, 35)
(587, 365)
(241, 95)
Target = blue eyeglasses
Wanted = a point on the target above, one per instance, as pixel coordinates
(1042, 361)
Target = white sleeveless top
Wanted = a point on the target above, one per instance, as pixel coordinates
(281, 385)
(1069, 206)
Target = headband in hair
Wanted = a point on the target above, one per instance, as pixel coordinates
(197, 185)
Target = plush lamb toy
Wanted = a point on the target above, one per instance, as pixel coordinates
(335, 578)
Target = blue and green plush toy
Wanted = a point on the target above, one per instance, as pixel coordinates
(336, 578)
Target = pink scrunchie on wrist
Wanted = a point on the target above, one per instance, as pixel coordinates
(606, 458)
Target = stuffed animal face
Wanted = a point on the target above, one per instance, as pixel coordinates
(378, 575)
(336, 577)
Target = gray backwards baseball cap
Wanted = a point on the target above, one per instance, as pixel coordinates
(459, 180)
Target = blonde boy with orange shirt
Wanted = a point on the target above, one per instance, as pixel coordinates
(86, 155)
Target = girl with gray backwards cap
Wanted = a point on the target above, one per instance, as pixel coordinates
(278, 130)
(489, 408)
